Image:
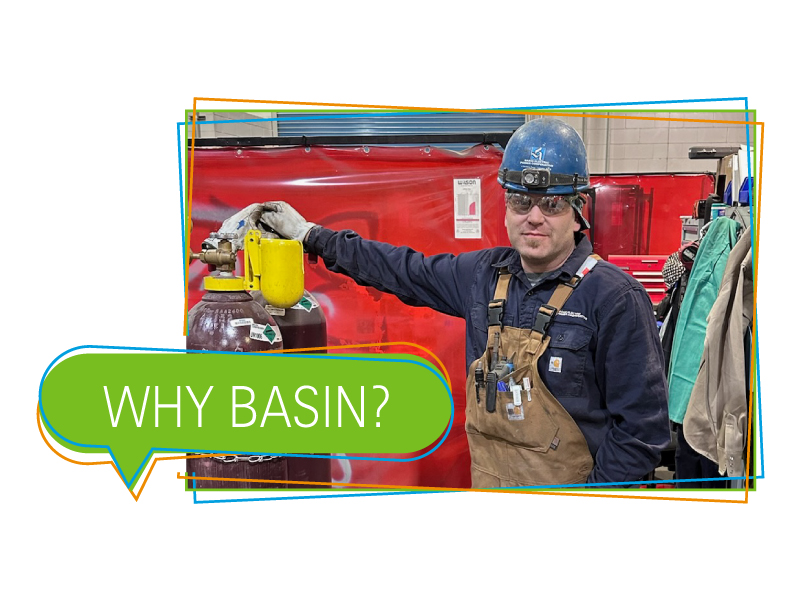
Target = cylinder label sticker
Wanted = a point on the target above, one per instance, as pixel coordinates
(306, 304)
(265, 333)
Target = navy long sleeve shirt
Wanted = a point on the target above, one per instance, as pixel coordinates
(612, 379)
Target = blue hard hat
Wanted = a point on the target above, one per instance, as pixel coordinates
(546, 156)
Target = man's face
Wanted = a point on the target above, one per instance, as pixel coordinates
(544, 242)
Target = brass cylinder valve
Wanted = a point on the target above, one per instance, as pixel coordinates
(222, 258)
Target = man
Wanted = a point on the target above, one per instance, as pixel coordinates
(565, 369)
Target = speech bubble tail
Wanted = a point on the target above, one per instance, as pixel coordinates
(131, 463)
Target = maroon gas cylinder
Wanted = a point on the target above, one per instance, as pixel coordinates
(231, 321)
(304, 326)
(239, 469)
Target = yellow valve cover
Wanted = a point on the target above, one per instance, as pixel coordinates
(275, 267)
(282, 280)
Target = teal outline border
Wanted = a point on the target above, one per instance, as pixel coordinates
(566, 106)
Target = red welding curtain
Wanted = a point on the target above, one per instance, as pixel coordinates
(399, 195)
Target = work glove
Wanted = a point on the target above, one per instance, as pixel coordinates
(285, 221)
(237, 226)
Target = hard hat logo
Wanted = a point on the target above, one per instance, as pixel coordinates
(537, 160)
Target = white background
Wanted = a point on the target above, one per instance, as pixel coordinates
(90, 211)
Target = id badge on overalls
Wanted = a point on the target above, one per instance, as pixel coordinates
(514, 409)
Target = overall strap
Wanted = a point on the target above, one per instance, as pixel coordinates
(561, 295)
(546, 311)
(497, 306)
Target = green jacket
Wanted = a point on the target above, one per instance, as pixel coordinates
(690, 330)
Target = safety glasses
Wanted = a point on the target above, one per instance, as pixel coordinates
(521, 203)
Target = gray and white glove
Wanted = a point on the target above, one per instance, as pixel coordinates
(285, 221)
(238, 225)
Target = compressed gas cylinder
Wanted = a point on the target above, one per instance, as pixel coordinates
(303, 326)
(238, 469)
(231, 321)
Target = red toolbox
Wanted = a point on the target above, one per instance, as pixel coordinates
(646, 269)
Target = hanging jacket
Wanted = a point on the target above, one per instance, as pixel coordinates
(676, 272)
(690, 329)
(667, 313)
(715, 424)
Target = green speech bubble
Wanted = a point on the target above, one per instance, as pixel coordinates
(135, 403)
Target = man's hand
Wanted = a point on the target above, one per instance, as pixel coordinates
(238, 225)
(285, 221)
(277, 216)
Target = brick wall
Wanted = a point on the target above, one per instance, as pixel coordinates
(637, 146)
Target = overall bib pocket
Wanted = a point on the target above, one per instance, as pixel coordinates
(535, 429)
(563, 363)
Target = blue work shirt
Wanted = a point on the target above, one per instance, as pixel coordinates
(611, 379)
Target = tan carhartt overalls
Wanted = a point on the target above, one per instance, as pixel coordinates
(524, 442)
